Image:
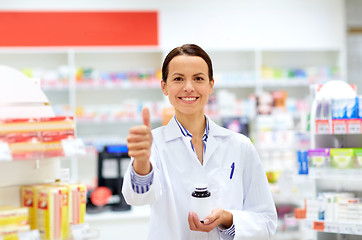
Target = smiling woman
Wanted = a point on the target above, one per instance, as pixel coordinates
(191, 150)
(188, 86)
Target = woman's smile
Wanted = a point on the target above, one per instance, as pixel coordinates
(188, 99)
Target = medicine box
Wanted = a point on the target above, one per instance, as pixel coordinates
(358, 157)
(342, 158)
(319, 157)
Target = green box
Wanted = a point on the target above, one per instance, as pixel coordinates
(357, 157)
(342, 158)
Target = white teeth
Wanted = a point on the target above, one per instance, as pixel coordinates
(189, 99)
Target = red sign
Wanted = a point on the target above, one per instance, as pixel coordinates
(318, 226)
(78, 28)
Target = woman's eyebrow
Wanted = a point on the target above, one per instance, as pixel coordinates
(180, 74)
(200, 73)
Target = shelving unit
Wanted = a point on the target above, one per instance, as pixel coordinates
(24, 162)
(334, 179)
(238, 71)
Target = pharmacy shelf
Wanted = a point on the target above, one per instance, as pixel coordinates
(336, 174)
(338, 180)
(241, 74)
(285, 82)
(114, 121)
(121, 86)
(334, 227)
(292, 235)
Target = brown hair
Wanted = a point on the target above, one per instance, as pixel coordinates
(188, 50)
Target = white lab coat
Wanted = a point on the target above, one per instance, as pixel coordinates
(177, 170)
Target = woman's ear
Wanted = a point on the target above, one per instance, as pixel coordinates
(164, 88)
(211, 86)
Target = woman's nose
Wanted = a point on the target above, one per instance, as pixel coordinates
(188, 86)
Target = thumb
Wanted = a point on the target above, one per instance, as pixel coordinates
(146, 117)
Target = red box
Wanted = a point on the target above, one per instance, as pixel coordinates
(354, 126)
(339, 126)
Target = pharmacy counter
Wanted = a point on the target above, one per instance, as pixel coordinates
(126, 225)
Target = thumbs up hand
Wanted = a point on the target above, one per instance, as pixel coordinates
(139, 142)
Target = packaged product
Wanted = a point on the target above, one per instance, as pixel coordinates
(11, 233)
(28, 199)
(319, 157)
(57, 123)
(77, 202)
(303, 162)
(13, 216)
(52, 212)
(342, 158)
(357, 157)
(32, 138)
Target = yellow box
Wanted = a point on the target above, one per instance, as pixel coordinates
(11, 233)
(77, 202)
(13, 216)
(28, 199)
(53, 213)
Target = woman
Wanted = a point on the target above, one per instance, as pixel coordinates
(192, 149)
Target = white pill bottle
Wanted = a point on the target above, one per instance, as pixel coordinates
(201, 201)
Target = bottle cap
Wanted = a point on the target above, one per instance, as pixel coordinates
(201, 187)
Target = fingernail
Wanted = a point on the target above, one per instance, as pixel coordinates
(206, 221)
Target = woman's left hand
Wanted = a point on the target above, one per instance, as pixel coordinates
(217, 217)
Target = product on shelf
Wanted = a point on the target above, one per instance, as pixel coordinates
(13, 216)
(30, 138)
(358, 157)
(12, 232)
(327, 159)
(92, 77)
(54, 207)
(312, 74)
(49, 78)
(339, 116)
(303, 168)
(53, 213)
(318, 157)
(29, 200)
(342, 158)
(77, 196)
(342, 207)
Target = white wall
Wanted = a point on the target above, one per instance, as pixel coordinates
(226, 24)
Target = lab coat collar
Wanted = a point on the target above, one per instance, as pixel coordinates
(172, 130)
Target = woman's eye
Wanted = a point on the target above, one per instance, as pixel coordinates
(199, 78)
(178, 79)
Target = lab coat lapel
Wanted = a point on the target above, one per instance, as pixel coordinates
(211, 146)
(216, 134)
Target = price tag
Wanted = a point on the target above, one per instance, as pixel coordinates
(309, 225)
(318, 226)
(81, 231)
(347, 229)
(65, 175)
(354, 126)
(332, 228)
(72, 147)
(359, 229)
(31, 235)
(5, 154)
(322, 126)
(339, 126)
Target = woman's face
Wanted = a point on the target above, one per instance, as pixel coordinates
(188, 85)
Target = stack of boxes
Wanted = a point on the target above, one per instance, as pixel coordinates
(339, 116)
(13, 220)
(34, 138)
(54, 207)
